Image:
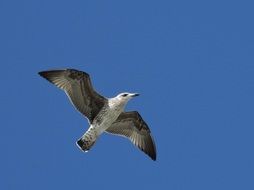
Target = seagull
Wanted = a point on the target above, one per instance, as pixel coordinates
(103, 114)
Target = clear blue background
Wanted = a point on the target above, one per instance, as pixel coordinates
(191, 61)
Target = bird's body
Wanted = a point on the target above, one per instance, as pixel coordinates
(103, 114)
(107, 115)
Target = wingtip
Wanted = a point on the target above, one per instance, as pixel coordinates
(153, 157)
(42, 73)
(49, 73)
(154, 151)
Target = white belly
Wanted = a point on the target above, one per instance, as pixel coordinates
(106, 119)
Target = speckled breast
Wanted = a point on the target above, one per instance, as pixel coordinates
(106, 117)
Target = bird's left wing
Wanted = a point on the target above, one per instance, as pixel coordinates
(78, 87)
(132, 126)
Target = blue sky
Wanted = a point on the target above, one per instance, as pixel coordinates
(191, 61)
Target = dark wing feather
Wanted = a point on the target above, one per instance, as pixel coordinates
(132, 126)
(78, 87)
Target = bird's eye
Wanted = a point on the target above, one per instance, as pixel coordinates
(124, 95)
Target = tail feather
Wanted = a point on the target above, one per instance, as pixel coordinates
(84, 144)
(87, 140)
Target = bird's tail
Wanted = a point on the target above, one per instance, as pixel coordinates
(87, 140)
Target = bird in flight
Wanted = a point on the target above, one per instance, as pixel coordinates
(103, 114)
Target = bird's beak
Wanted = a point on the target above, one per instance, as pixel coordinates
(134, 94)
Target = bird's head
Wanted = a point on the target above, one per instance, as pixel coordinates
(126, 96)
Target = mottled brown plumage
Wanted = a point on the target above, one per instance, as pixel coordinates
(132, 126)
(78, 87)
(103, 114)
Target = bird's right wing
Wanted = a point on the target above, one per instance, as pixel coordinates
(132, 126)
(78, 87)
